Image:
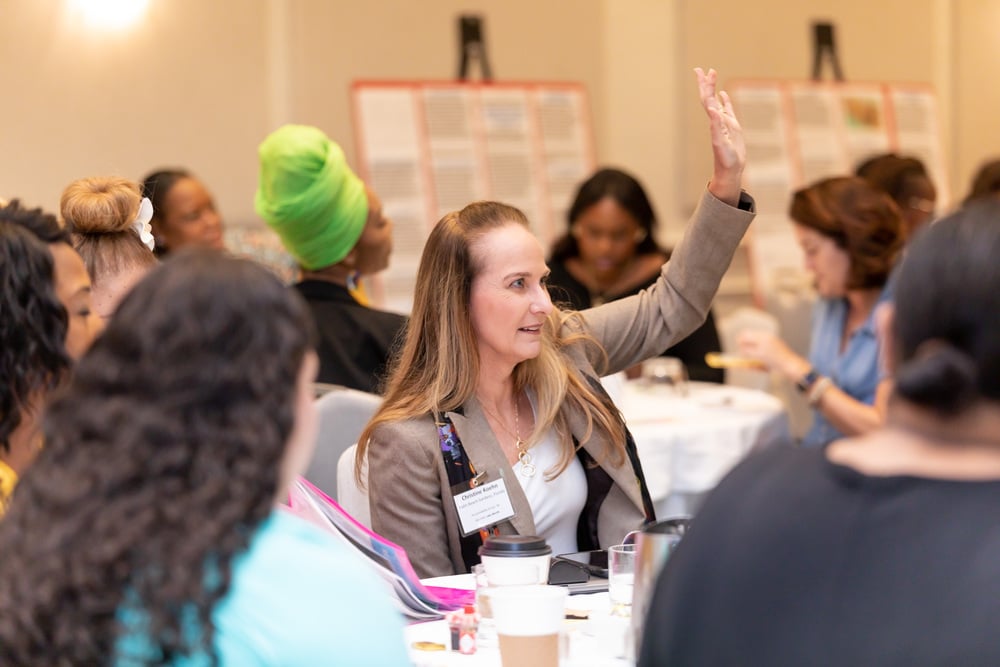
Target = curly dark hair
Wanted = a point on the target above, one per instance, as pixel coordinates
(45, 226)
(162, 458)
(33, 321)
(862, 220)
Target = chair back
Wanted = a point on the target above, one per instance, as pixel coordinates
(350, 496)
(343, 414)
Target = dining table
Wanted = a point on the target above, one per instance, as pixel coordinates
(592, 635)
(689, 435)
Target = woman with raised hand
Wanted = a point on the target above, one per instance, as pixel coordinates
(495, 388)
(109, 219)
(882, 549)
(147, 531)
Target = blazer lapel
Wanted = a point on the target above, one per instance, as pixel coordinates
(487, 456)
(623, 475)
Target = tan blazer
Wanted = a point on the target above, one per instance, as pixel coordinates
(410, 498)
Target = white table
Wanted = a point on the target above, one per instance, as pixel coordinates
(595, 642)
(688, 443)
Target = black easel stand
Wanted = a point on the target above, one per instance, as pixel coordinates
(825, 45)
(472, 47)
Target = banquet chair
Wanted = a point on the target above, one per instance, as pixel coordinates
(343, 413)
(351, 496)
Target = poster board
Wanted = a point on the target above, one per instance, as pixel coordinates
(798, 132)
(428, 148)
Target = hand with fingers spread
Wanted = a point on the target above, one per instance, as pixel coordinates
(728, 147)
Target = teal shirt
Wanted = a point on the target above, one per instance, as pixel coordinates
(298, 597)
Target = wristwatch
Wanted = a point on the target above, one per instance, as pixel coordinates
(807, 380)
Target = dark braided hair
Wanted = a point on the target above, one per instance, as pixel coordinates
(161, 460)
(33, 322)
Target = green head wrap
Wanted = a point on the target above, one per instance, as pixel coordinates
(309, 196)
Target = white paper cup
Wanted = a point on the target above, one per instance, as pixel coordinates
(513, 571)
(529, 620)
(516, 560)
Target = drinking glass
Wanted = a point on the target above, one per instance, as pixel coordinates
(621, 578)
(667, 372)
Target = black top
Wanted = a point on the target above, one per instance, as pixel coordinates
(567, 290)
(355, 341)
(794, 560)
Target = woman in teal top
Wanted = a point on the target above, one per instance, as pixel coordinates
(148, 531)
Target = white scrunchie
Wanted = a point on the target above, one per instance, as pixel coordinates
(141, 223)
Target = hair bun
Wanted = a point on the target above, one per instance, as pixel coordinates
(101, 205)
(940, 377)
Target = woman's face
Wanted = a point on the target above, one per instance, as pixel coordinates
(375, 243)
(73, 290)
(828, 262)
(509, 301)
(188, 218)
(607, 236)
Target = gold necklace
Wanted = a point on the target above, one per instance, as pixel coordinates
(527, 467)
(523, 456)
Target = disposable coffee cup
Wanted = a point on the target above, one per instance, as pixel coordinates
(516, 560)
(528, 621)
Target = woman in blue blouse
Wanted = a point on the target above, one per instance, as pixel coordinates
(850, 234)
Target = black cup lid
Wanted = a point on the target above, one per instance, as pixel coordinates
(514, 546)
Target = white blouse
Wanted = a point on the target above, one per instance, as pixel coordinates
(555, 504)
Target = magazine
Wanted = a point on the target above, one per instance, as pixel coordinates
(389, 560)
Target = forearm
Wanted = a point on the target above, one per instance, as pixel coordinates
(847, 414)
(644, 325)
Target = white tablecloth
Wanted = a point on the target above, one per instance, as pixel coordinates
(595, 642)
(688, 443)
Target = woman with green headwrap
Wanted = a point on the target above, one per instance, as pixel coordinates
(334, 227)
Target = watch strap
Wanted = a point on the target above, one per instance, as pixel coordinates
(807, 380)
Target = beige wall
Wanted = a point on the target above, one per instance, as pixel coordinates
(976, 93)
(200, 83)
(184, 87)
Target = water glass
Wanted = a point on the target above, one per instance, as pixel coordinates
(487, 634)
(621, 578)
(667, 372)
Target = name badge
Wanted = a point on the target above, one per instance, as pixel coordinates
(485, 505)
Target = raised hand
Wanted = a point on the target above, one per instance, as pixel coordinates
(728, 147)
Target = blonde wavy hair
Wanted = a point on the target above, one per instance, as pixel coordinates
(437, 368)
